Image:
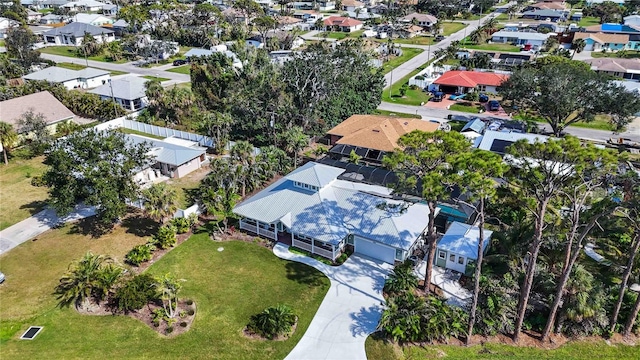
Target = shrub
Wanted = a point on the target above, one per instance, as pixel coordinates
(413, 87)
(169, 330)
(273, 321)
(139, 254)
(401, 280)
(419, 77)
(182, 313)
(157, 315)
(37, 181)
(182, 225)
(136, 293)
(165, 238)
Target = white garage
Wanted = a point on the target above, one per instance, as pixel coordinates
(375, 250)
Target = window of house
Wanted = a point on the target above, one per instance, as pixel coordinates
(460, 260)
(482, 87)
(441, 254)
(399, 254)
(452, 258)
(350, 239)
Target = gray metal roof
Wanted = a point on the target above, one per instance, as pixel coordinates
(476, 125)
(198, 52)
(78, 30)
(315, 174)
(462, 239)
(128, 88)
(521, 35)
(57, 74)
(544, 13)
(337, 209)
(166, 152)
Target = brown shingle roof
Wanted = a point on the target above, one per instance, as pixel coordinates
(41, 103)
(613, 64)
(603, 38)
(377, 132)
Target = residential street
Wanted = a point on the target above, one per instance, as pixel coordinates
(632, 132)
(159, 71)
(415, 62)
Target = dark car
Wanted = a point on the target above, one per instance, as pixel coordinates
(439, 38)
(179, 62)
(483, 98)
(437, 96)
(494, 105)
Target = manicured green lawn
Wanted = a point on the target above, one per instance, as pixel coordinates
(412, 97)
(74, 66)
(493, 47)
(470, 108)
(379, 350)
(626, 54)
(407, 53)
(339, 35)
(149, 77)
(418, 40)
(184, 69)
(227, 287)
(588, 21)
(18, 198)
(449, 28)
(397, 114)
(71, 51)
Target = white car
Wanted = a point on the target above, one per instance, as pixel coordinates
(2, 277)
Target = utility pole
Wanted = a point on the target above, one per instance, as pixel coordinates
(115, 108)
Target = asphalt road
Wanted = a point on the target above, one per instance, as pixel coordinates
(632, 132)
(159, 71)
(407, 67)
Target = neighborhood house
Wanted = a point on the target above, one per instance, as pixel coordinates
(72, 34)
(128, 92)
(458, 248)
(174, 158)
(53, 111)
(316, 211)
(71, 79)
(459, 81)
(344, 24)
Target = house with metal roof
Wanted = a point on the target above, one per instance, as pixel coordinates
(92, 19)
(552, 15)
(534, 39)
(128, 92)
(458, 248)
(171, 157)
(474, 128)
(314, 210)
(84, 5)
(73, 33)
(86, 78)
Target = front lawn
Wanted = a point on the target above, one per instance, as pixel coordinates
(71, 66)
(493, 47)
(381, 350)
(185, 186)
(18, 198)
(449, 28)
(412, 97)
(184, 69)
(418, 40)
(71, 51)
(624, 54)
(227, 286)
(156, 78)
(339, 35)
(465, 107)
(407, 54)
(588, 21)
(397, 114)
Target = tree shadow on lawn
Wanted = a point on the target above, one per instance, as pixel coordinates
(90, 226)
(34, 207)
(140, 225)
(304, 274)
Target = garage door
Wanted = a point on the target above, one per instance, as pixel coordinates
(375, 250)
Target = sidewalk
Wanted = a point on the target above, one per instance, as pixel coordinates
(37, 224)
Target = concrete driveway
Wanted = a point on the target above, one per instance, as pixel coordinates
(349, 312)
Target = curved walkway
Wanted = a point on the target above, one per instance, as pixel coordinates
(349, 312)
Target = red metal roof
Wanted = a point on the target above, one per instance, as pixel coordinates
(470, 78)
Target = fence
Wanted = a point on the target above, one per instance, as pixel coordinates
(181, 213)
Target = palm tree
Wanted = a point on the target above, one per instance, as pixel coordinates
(294, 139)
(401, 280)
(578, 46)
(8, 138)
(82, 281)
(160, 201)
(169, 287)
(273, 321)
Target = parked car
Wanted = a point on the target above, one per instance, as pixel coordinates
(179, 62)
(457, 96)
(437, 96)
(494, 105)
(483, 98)
(438, 38)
